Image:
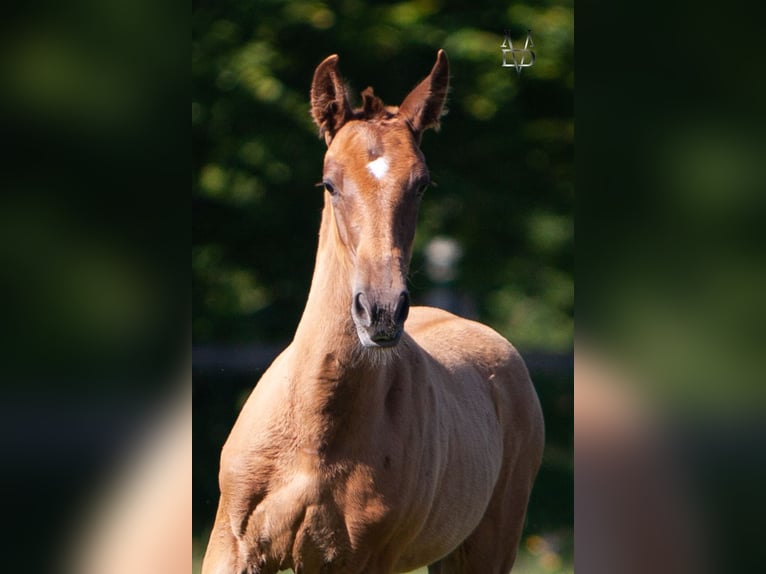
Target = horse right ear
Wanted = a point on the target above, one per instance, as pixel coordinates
(330, 107)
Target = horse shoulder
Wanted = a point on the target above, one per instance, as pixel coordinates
(266, 402)
(257, 439)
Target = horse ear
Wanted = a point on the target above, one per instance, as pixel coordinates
(424, 105)
(330, 107)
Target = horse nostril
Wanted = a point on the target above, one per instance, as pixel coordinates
(362, 309)
(402, 307)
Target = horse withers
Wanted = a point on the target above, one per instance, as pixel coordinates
(384, 438)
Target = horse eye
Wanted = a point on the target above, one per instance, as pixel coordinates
(328, 186)
(422, 188)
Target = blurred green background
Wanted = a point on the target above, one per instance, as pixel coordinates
(503, 203)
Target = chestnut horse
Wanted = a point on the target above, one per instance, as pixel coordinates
(383, 438)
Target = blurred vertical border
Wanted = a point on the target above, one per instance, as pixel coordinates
(671, 212)
(94, 280)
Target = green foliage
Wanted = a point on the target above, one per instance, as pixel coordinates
(503, 160)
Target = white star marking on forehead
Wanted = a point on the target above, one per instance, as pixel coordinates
(378, 168)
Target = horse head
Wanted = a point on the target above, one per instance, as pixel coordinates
(374, 178)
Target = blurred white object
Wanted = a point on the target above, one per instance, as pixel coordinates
(141, 522)
(442, 255)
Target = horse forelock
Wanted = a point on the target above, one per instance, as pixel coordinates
(373, 108)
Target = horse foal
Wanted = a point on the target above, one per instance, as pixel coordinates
(384, 438)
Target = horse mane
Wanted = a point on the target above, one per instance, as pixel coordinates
(373, 107)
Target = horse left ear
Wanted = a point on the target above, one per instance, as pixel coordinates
(424, 105)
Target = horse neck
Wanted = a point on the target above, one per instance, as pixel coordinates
(326, 325)
(336, 382)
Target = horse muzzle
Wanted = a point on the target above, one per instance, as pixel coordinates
(379, 318)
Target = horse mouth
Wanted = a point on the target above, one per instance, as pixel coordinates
(381, 339)
(386, 340)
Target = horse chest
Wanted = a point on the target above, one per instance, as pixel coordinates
(312, 519)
